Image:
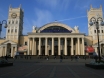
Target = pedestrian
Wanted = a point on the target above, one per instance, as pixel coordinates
(96, 58)
(54, 57)
(47, 57)
(76, 58)
(71, 58)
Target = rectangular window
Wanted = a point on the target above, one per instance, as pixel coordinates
(8, 30)
(85, 43)
(15, 30)
(9, 22)
(98, 31)
(12, 31)
(95, 31)
(12, 22)
(102, 31)
(25, 43)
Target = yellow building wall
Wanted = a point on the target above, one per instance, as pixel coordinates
(2, 40)
(23, 39)
(88, 40)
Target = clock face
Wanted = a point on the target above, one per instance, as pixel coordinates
(14, 15)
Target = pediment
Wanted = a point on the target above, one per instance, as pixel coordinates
(8, 41)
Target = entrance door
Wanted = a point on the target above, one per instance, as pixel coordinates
(56, 50)
(68, 50)
(43, 50)
(8, 49)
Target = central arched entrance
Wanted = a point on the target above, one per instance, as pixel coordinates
(8, 49)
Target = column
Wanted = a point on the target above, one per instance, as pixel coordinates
(39, 46)
(28, 46)
(33, 47)
(78, 53)
(5, 50)
(71, 46)
(100, 48)
(15, 50)
(46, 46)
(11, 51)
(65, 48)
(59, 46)
(83, 48)
(1, 51)
(52, 46)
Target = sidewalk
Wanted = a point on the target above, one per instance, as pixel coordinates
(52, 68)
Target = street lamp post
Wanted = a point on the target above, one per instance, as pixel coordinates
(2, 23)
(97, 22)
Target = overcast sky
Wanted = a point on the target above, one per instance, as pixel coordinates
(40, 12)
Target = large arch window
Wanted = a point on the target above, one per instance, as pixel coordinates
(56, 29)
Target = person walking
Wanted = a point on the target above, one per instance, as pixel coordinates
(47, 57)
(76, 57)
(71, 58)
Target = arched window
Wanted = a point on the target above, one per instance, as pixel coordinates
(9, 22)
(12, 22)
(8, 30)
(15, 30)
(12, 31)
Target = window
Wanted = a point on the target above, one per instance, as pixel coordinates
(95, 31)
(102, 31)
(9, 22)
(85, 43)
(98, 31)
(8, 30)
(25, 43)
(11, 30)
(12, 22)
(15, 30)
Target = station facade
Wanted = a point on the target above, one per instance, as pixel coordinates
(54, 38)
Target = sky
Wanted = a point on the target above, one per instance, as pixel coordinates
(40, 12)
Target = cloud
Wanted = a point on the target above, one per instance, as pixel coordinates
(55, 4)
(82, 4)
(42, 17)
(73, 18)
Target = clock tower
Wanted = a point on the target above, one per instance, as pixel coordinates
(92, 31)
(15, 23)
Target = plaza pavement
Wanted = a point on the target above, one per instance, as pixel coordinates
(52, 68)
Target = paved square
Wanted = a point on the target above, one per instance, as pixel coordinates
(52, 68)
